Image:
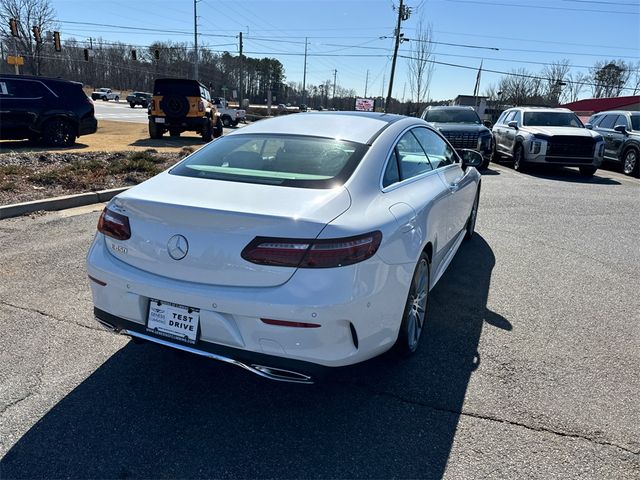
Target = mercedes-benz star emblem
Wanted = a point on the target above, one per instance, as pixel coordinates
(177, 246)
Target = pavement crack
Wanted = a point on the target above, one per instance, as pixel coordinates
(489, 418)
(31, 390)
(52, 317)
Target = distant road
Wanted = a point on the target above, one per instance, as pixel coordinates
(119, 112)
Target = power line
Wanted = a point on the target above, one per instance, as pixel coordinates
(543, 7)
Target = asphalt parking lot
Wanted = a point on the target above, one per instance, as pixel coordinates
(528, 366)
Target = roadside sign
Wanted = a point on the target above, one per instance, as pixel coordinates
(364, 104)
(15, 60)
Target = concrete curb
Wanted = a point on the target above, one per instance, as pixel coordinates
(59, 203)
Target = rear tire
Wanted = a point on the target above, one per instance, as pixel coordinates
(587, 171)
(630, 162)
(174, 133)
(59, 133)
(226, 121)
(415, 310)
(132, 105)
(218, 130)
(155, 132)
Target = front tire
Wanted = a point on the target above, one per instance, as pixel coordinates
(132, 105)
(226, 121)
(471, 222)
(415, 310)
(519, 163)
(630, 162)
(59, 133)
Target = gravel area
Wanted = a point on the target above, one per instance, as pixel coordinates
(26, 176)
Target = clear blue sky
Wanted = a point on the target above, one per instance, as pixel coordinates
(346, 35)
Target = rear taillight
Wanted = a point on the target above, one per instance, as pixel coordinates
(114, 225)
(337, 252)
(152, 105)
(201, 106)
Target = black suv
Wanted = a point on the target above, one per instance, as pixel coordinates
(462, 127)
(56, 111)
(621, 132)
(139, 98)
(180, 105)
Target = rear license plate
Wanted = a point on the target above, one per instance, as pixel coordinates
(159, 120)
(177, 322)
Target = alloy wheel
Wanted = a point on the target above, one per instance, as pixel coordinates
(417, 304)
(630, 162)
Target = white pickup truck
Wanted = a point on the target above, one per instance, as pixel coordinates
(105, 94)
(229, 116)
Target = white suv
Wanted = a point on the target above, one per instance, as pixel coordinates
(546, 135)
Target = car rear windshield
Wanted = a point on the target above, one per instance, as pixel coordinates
(552, 119)
(186, 88)
(635, 122)
(275, 159)
(452, 116)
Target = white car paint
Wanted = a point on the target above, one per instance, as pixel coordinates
(219, 218)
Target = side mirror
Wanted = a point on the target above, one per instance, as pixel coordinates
(471, 158)
(620, 128)
(589, 126)
(487, 124)
(513, 124)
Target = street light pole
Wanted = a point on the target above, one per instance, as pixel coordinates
(195, 37)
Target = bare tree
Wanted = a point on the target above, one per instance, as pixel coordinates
(609, 78)
(576, 82)
(555, 75)
(635, 78)
(28, 13)
(520, 87)
(420, 63)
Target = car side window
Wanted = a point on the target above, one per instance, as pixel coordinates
(509, 117)
(438, 150)
(594, 120)
(608, 121)
(622, 120)
(411, 157)
(392, 170)
(517, 117)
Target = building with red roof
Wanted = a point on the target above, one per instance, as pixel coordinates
(590, 106)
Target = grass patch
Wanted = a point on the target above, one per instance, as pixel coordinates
(13, 170)
(9, 187)
(46, 178)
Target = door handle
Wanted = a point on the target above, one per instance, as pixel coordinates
(454, 187)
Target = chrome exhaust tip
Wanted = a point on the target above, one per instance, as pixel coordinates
(107, 325)
(283, 375)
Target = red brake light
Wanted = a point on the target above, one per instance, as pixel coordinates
(337, 252)
(201, 106)
(286, 323)
(114, 225)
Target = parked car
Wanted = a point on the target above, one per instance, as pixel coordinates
(621, 132)
(230, 116)
(139, 98)
(294, 244)
(553, 136)
(39, 108)
(105, 94)
(180, 105)
(462, 127)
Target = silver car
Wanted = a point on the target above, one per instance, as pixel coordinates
(554, 136)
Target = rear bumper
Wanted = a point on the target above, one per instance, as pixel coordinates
(268, 366)
(182, 123)
(358, 308)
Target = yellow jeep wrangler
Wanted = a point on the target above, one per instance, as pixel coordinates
(180, 105)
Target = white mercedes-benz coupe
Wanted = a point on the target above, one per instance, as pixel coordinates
(291, 245)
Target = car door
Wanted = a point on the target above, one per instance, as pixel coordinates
(505, 132)
(511, 132)
(605, 128)
(417, 198)
(22, 102)
(498, 130)
(618, 138)
(461, 187)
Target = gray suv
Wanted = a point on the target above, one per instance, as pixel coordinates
(552, 136)
(462, 127)
(621, 132)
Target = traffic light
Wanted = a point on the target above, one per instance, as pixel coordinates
(86, 54)
(56, 42)
(13, 25)
(156, 54)
(134, 55)
(36, 34)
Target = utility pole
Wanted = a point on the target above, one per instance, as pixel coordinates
(240, 75)
(403, 14)
(304, 75)
(195, 37)
(333, 96)
(366, 84)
